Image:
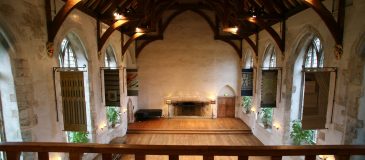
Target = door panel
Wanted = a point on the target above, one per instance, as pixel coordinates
(226, 107)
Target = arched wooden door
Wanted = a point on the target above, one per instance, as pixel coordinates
(226, 107)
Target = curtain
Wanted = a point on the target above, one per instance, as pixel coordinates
(73, 100)
(269, 88)
(247, 82)
(112, 88)
(132, 82)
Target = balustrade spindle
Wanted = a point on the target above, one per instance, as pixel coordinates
(11, 155)
(173, 157)
(276, 157)
(140, 157)
(107, 156)
(342, 157)
(75, 156)
(310, 157)
(43, 156)
(242, 157)
(208, 157)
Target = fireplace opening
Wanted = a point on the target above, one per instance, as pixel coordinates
(190, 108)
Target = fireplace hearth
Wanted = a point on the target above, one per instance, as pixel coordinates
(191, 108)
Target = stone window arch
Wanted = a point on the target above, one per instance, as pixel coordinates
(269, 61)
(10, 120)
(110, 62)
(310, 54)
(269, 57)
(72, 57)
(248, 61)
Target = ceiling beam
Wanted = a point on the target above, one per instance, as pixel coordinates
(335, 28)
(129, 42)
(109, 31)
(278, 40)
(55, 25)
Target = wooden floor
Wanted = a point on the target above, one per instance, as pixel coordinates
(221, 131)
(189, 124)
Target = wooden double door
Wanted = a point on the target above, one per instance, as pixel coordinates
(226, 107)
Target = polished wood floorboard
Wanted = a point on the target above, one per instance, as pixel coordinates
(189, 124)
(206, 132)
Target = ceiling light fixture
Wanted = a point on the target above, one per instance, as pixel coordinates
(233, 30)
(255, 12)
(139, 30)
(118, 16)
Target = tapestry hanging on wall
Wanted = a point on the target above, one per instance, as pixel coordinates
(269, 88)
(132, 82)
(317, 97)
(112, 88)
(73, 100)
(247, 82)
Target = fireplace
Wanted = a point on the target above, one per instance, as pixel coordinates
(191, 108)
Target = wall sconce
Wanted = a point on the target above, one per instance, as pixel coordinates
(276, 125)
(212, 102)
(253, 109)
(168, 101)
(124, 109)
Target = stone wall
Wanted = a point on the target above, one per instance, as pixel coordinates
(25, 23)
(346, 123)
(187, 63)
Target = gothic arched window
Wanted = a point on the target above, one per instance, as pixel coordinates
(67, 55)
(109, 58)
(314, 54)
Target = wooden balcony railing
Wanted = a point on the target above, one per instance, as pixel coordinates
(341, 152)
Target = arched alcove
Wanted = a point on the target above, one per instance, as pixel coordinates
(226, 91)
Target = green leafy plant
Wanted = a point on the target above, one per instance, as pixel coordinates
(266, 118)
(300, 136)
(112, 115)
(246, 103)
(78, 137)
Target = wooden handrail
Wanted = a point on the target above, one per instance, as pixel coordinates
(341, 152)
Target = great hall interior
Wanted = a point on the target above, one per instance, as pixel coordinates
(182, 79)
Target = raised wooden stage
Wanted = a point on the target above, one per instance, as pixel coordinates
(220, 131)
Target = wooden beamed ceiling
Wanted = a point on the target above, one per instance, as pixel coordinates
(155, 15)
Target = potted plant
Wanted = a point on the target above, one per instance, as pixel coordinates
(246, 103)
(78, 137)
(266, 117)
(112, 115)
(300, 136)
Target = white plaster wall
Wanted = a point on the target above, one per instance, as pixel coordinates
(188, 62)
